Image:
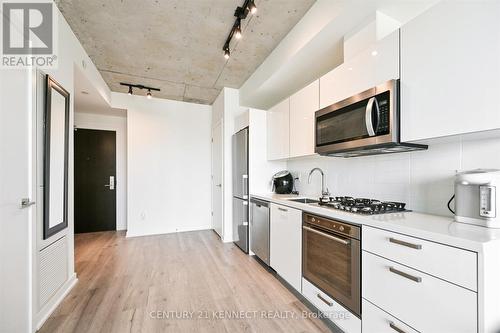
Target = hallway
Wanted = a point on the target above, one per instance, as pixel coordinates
(136, 284)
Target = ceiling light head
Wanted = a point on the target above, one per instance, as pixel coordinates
(374, 53)
(252, 7)
(130, 92)
(237, 30)
(148, 95)
(227, 53)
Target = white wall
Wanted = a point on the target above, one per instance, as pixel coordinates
(71, 57)
(168, 169)
(119, 125)
(424, 179)
(226, 107)
(260, 169)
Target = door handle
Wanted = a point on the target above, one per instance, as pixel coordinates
(244, 188)
(368, 115)
(333, 238)
(219, 185)
(26, 202)
(111, 184)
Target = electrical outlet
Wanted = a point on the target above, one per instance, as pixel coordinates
(299, 176)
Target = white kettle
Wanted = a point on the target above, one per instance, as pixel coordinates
(476, 200)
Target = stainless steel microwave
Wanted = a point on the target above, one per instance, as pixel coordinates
(364, 124)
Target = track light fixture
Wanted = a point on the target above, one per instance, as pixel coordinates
(237, 31)
(252, 7)
(139, 86)
(241, 13)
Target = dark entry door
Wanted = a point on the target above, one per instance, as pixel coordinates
(95, 180)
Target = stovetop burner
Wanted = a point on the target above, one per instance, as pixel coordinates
(362, 205)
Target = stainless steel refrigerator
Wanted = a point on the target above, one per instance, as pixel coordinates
(240, 189)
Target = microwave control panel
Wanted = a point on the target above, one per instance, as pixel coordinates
(383, 107)
(487, 201)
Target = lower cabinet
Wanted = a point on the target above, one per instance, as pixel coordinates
(286, 244)
(377, 321)
(425, 302)
(332, 310)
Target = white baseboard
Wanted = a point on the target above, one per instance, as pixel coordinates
(164, 232)
(51, 305)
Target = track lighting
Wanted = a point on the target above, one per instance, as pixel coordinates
(139, 86)
(252, 7)
(241, 13)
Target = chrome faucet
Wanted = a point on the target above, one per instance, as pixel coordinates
(324, 189)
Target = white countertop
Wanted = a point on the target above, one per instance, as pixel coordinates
(426, 226)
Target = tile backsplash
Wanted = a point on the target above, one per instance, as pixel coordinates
(422, 179)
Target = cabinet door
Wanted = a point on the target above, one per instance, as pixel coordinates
(376, 64)
(303, 105)
(286, 244)
(450, 70)
(278, 126)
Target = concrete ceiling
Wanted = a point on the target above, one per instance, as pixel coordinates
(176, 45)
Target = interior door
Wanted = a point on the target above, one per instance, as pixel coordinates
(95, 180)
(17, 182)
(217, 206)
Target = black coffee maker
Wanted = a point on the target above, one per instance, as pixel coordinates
(282, 182)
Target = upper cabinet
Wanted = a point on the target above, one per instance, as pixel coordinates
(303, 105)
(278, 128)
(375, 65)
(450, 70)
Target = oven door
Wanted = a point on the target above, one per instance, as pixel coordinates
(332, 263)
(362, 120)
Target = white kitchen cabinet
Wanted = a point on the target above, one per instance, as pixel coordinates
(449, 263)
(377, 321)
(377, 64)
(450, 70)
(331, 309)
(278, 128)
(286, 244)
(303, 105)
(422, 301)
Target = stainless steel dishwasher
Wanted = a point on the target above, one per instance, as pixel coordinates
(259, 229)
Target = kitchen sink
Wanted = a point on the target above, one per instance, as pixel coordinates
(304, 200)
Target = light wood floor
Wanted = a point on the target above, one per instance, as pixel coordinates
(132, 285)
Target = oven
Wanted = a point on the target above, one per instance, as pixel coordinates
(331, 259)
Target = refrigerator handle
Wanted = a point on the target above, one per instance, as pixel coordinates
(244, 182)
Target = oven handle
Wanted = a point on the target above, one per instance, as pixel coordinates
(372, 130)
(337, 239)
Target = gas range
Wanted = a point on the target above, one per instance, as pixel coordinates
(362, 205)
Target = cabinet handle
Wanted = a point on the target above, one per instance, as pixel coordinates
(394, 327)
(283, 209)
(327, 302)
(403, 243)
(405, 275)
